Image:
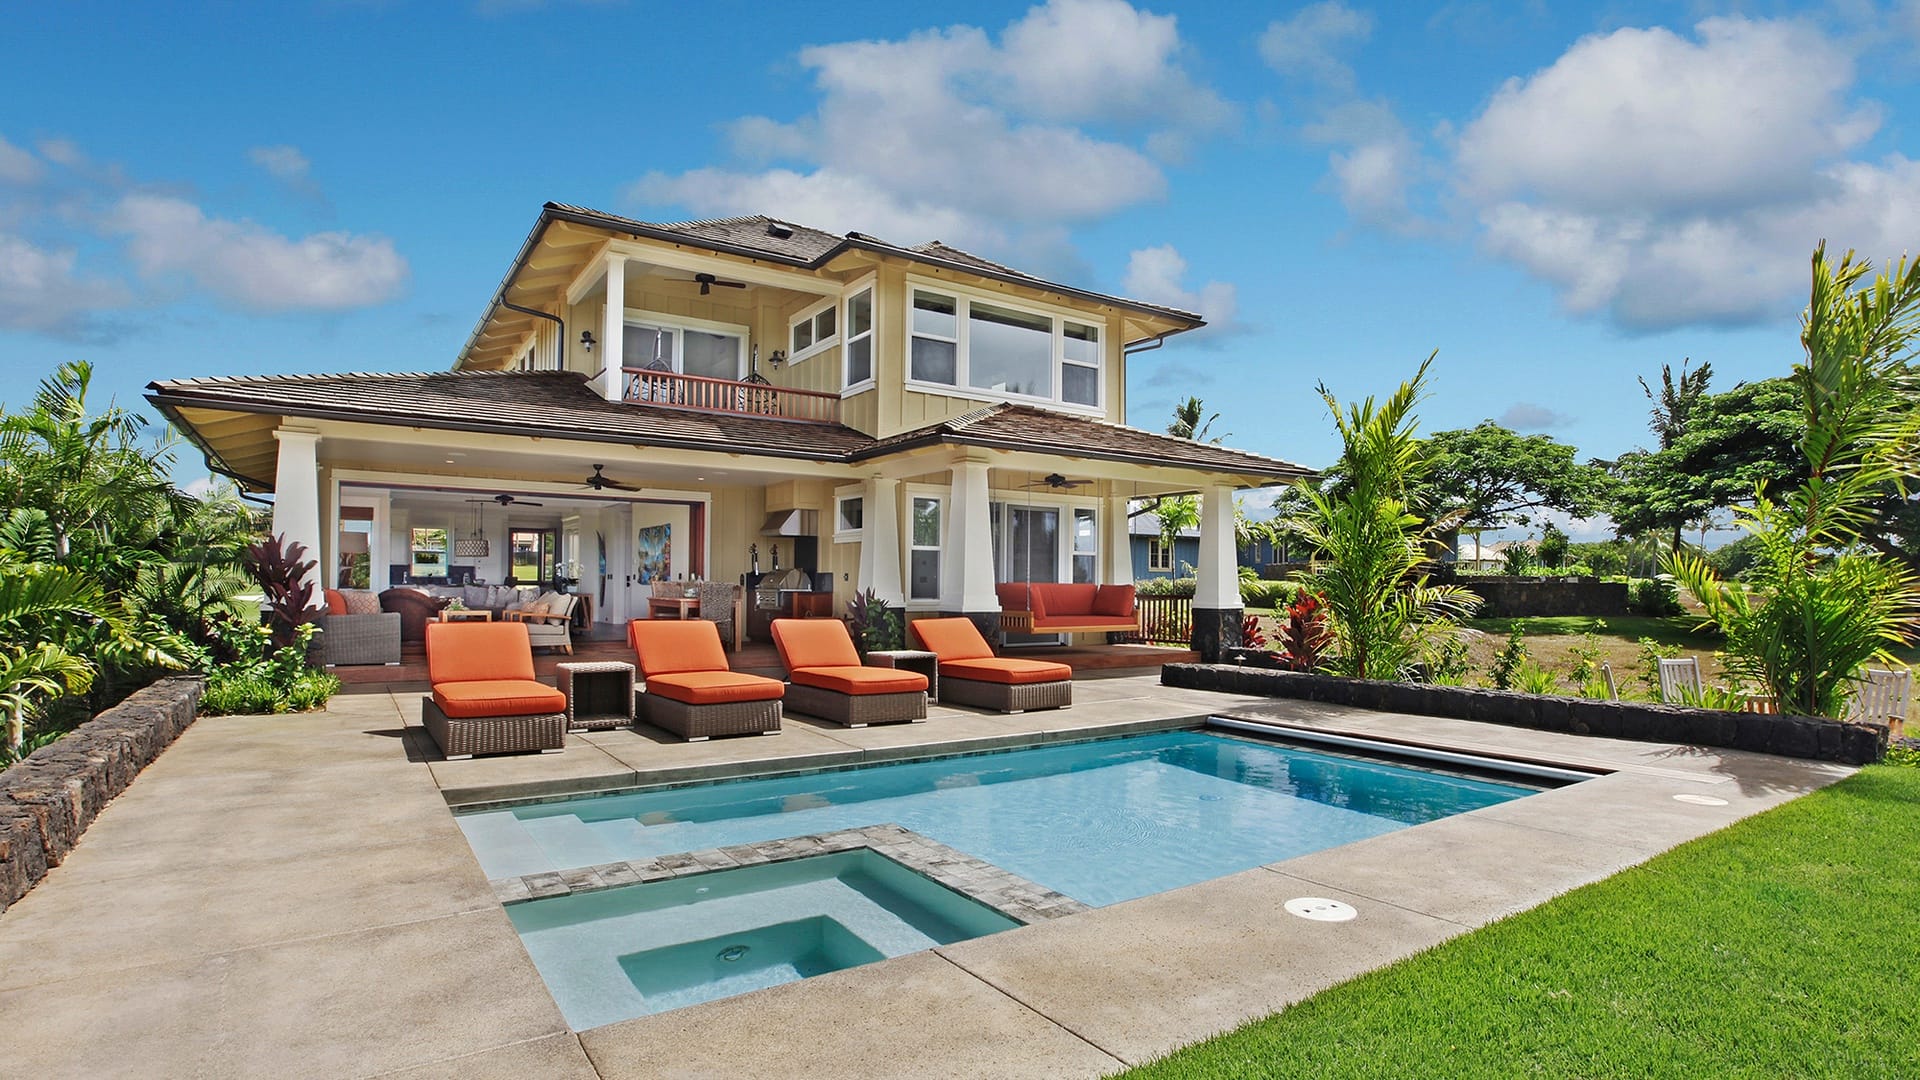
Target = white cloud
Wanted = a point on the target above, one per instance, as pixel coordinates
(63, 152)
(1663, 180)
(18, 166)
(253, 267)
(1528, 416)
(949, 134)
(281, 162)
(41, 290)
(1641, 119)
(1308, 44)
(1157, 275)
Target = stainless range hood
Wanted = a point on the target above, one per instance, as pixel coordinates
(792, 523)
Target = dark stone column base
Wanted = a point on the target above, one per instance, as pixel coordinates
(1215, 630)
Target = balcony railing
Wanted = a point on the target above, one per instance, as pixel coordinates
(700, 393)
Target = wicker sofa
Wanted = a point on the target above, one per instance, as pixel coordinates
(971, 675)
(360, 639)
(691, 691)
(826, 679)
(485, 699)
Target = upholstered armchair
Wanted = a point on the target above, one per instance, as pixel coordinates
(549, 623)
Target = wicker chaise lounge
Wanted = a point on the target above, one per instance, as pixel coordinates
(826, 679)
(691, 691)
(971, 675)
(485, 699)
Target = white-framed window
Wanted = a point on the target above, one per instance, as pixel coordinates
(981, 346)
(687, 346)
(924, 535)
(1086, 546)
(1159, 556)
(813, 330)
(849, 517)
(858, 353)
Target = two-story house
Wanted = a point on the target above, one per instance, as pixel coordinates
(641, 400)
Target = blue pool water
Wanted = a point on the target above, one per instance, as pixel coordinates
(642, 949)
(1101, 821)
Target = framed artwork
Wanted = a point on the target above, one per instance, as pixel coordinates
(653, 554)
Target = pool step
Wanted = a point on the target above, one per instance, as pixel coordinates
(568, 841)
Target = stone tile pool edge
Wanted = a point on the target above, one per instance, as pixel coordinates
(1015, 897)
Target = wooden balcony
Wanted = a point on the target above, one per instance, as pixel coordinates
(699, 393)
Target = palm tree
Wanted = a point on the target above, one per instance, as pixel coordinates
(34, 667)
(1191, 422)
(1371, 547)
(1827, 605)
(1674, 405)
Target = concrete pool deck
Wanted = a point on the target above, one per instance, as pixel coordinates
(290, 896)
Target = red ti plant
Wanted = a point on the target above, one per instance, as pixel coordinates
(1251, 636)
(1305, 636)
(284, 573)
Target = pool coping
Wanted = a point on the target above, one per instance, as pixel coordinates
(1023, 901)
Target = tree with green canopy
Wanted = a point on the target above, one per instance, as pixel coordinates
(1821, 604)
(1488, 476)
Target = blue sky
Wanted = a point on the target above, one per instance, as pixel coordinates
(1556, 197)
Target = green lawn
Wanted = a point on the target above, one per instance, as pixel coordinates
(1780, 947)
(1682, 630)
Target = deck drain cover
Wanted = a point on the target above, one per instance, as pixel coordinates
(1320, 909)
(1700, 800)
(733, 953)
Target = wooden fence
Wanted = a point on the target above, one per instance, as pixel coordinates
(1164, 620)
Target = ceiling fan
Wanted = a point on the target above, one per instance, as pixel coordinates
(599, 482)
(506, 500)
(1056, 482)
(708, 281)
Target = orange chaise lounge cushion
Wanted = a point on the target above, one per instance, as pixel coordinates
(667, 646)
(814, 643)
(715, 687)
(486, 669)
(860, 680)
(951, 639)
(497, 697)
(1013, 672)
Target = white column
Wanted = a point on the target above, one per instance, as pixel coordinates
(296, 493)
(1116, 542)
(880, 542)
(966, 567)
(613, 327)
(1218, 575)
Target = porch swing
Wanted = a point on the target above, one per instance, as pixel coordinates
(1055, 607)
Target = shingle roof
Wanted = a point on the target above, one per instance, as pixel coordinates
(509, 402)
(755, 232)
(563, 404)
(1008, 426)
(807, 246)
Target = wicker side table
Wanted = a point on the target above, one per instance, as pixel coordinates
(919, 660)
(599, 694)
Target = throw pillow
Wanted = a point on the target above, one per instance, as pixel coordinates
(361, 601)
(1113, 600)
(474, 596)
(336, 604)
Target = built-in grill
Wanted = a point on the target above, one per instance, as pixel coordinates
(766, 596)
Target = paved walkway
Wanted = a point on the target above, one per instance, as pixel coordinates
(289, 896)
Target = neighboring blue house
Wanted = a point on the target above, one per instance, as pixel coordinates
(1153, 559)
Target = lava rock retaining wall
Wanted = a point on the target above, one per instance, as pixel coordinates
(1517, 597)
(49, 799)
(1787, 736)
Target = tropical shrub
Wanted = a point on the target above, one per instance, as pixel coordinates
(1654, 596)
(1372, 548)
(1505, 669)
(1174, 586)
(263, 676)
(1257, 593)
(1305, 636)
(1519, 560)
(285, 576)
(1252, 636)
(1552, 548)
(874, 624)
(1825, 604)
(1447, 660)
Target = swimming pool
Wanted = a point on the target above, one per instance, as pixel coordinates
(1101, 821)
